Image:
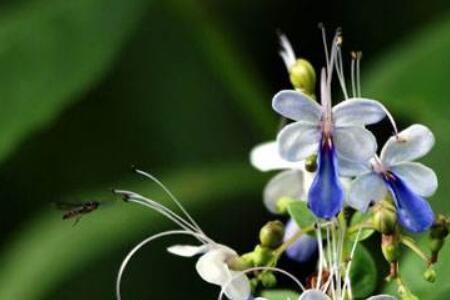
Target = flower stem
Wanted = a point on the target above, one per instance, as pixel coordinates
(411, 244)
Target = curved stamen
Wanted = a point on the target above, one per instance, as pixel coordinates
(139, 246)
(273, 269)
(159, 208)
(340, 72)
(358, 73)
(352, 74)
(324, 41)
(171, 196)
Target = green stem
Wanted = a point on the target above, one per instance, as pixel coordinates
(292, 240)
(356, 227)
(411, 244)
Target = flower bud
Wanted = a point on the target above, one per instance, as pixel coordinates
(271, 235)
(311, 163)
(384, 217)
(303, 76)
(262, 256)
(268, 279)
(438, 232)
(440, 228)
(390, 247)
(430, 275)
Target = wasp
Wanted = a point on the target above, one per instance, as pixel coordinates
(77, 210)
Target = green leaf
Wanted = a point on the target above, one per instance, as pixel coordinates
(280, 295)
(363, 273)
(299, 211)
(412, 80)
(50, 53)
(55, 249)
(360, 218)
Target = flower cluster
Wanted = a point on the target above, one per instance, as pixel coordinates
(334, 191)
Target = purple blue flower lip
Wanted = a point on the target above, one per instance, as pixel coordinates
(326, 195)
(414, 212)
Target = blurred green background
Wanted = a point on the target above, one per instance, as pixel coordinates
(182, 89)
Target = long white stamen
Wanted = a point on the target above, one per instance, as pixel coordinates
(332, 270)
(358, 73)
(255, 269)
(391, 119)
(349, 266)
(322, 260)
(336, 41)
(159, 208)
(139, 246)
(171, 196)
(340, 72)
(352, 74)
(324, 41)
(335, 260)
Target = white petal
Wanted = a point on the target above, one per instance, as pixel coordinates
(297, 106)
(313, 295)
(348, 168)
(364, 190)
(187, 250)
(285, 184)
(266, 157)
(358, 112)
(212, 266)
(410, 144)
(419, 178)
(239, 287)
(382, 297)
(297, 141)
(354, 143)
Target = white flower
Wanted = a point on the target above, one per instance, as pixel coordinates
(407, 181)
(212, 266)
(293, 182)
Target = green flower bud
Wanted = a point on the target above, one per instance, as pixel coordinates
(430, 275)
(303, 76)
(262, 256)
(440, 228)
(390, 247)
(438, 233)
(271, 235)
(436, 245)
(268, 279)
(311, 163)
(385, 217)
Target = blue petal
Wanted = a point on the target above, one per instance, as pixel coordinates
(326, 195)
(414, 212)
(304, 248)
